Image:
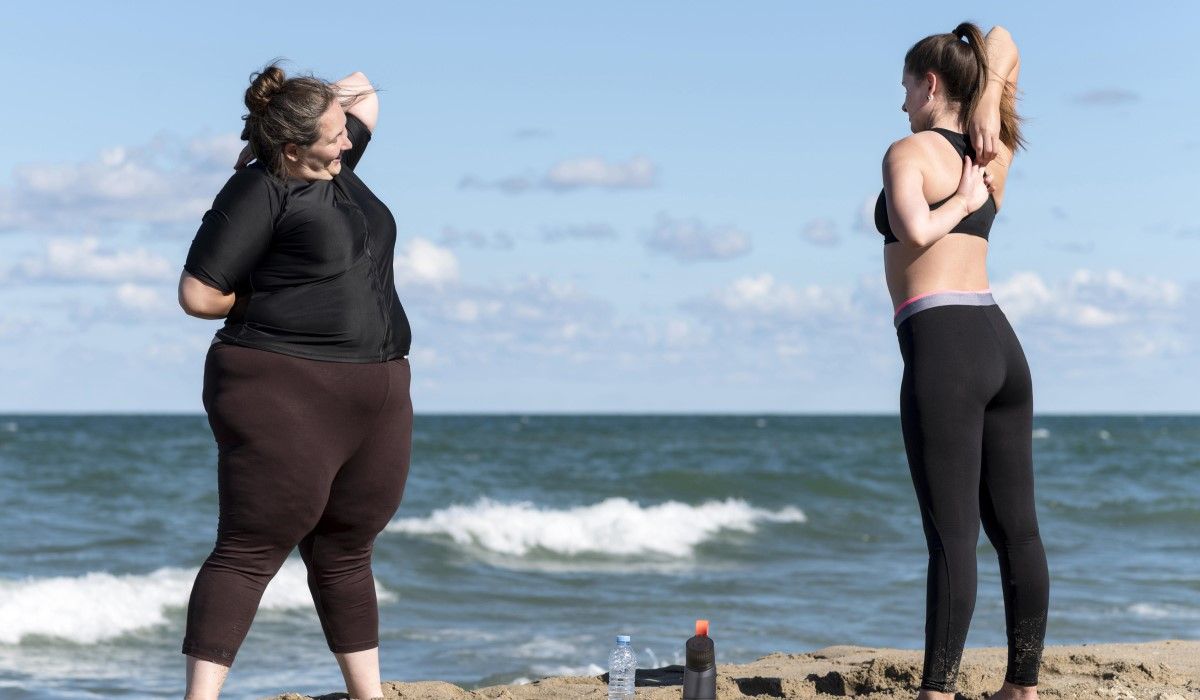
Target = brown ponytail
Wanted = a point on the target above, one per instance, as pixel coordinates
(283, 110)
(974, 38)
(960, 59)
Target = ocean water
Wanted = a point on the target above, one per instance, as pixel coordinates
(525, 543)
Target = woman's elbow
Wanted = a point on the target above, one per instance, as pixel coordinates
(201, 309)
(1001, 34)
(199, 300)
(913, 237)
(191, 308)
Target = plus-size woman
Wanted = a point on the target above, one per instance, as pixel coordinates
(306, 385)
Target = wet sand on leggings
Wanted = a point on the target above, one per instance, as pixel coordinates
(1166, 670)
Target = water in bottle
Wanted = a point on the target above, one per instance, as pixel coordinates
(622, 670)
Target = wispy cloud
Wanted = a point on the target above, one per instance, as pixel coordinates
(638, 172)
(585, 232)
(821, 232)
(513, 184)
(1077, 247)
(457, 238)
(689, 240)
(531, 132)
(1106, 97)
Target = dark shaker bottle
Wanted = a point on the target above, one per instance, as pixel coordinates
(700, 668)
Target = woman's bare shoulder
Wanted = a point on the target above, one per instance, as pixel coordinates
(914, 147)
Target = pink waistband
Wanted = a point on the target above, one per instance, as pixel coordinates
(941, 291)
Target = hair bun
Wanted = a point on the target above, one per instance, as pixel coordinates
(263, 86)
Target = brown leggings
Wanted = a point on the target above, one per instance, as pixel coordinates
(310, 453)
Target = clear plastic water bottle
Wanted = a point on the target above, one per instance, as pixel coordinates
(622, 670)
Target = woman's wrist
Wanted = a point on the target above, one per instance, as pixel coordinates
(992, 92)
(964, 203)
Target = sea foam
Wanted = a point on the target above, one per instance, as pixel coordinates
(99, 606)
(615, 526)
(1152, 611)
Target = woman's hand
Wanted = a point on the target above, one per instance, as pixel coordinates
(984, 128)
(358, 97)
(244, 158)
(974, 185)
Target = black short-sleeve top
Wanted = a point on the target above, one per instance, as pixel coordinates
(310, 262)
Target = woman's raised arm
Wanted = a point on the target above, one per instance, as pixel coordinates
(359, 98)
(1004, 62)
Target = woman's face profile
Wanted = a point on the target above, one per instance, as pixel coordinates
(915, 99)
(322, 160)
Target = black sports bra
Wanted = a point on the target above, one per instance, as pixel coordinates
(977, 223)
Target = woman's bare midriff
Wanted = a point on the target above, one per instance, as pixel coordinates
(957, 261)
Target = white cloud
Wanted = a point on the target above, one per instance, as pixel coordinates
(141, 298)
(424, 263)
(1087, 298)
(531, 316)
(425, 357)
(1116, 286)
(677, 335)
(180, 349)
(83, 260)
(689, 240)
(166, 180)
(765, 303)
(1087, 302)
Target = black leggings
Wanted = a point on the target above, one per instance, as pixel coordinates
(310, 453)
(966, 407)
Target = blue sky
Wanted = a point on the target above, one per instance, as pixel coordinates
(615, 207)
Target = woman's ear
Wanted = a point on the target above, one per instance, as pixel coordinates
(292, 152)
(931, 83)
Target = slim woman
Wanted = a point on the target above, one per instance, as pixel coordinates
(306, 385)
(966, 402)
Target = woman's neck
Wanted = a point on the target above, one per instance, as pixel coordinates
(950, 122)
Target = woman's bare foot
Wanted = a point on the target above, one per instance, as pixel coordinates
(1015, 692)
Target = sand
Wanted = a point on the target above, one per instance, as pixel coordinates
(1166, 670)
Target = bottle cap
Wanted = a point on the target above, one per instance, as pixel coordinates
(701, 628)
(699, 653)
(622, 639)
